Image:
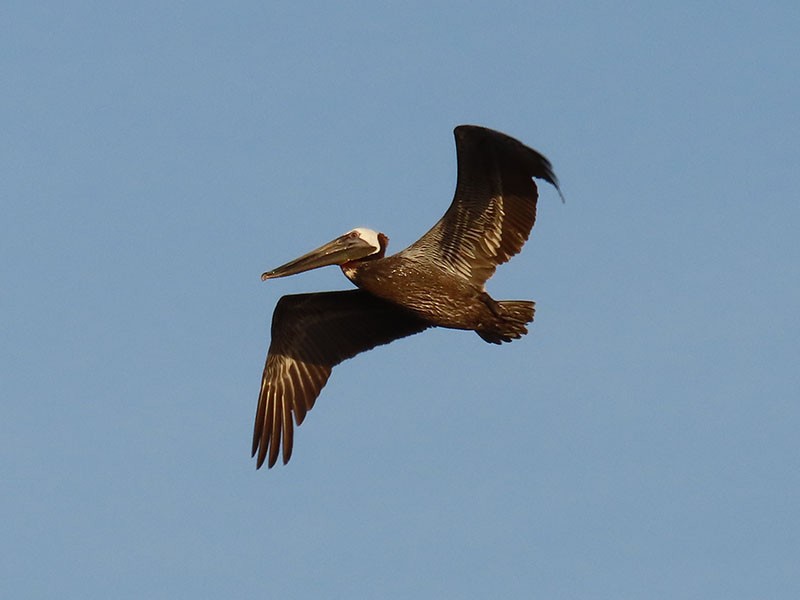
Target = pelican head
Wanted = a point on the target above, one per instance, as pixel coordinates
(356, 244)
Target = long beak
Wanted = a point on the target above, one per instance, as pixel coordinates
(336, 252)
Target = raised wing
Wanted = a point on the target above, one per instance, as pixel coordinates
(493, 209)
(311, 333)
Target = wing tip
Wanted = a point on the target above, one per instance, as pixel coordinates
(535, 162)
(272, 442)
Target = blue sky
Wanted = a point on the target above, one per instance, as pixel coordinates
(640, 442)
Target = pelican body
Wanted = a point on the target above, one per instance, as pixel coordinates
(438, 281)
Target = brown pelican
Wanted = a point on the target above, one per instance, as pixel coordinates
(438, 281)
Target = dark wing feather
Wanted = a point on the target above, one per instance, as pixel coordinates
(311, 333)
(493, 209)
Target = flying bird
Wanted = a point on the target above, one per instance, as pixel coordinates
(438, 281)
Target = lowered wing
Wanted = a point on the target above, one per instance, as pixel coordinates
(312, 333)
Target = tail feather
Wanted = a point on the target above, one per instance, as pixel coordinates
(511, 323)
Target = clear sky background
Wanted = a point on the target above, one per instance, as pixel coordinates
(640, 442)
